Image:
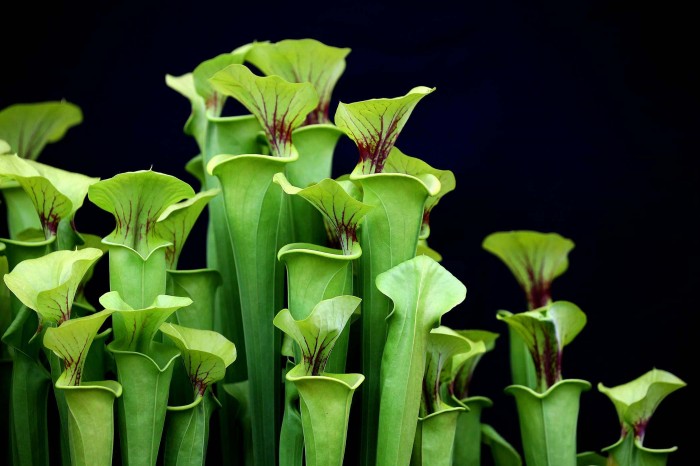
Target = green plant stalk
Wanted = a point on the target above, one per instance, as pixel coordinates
(325, 409)
(467, 441)
(257, 221)
(90, 407)
(522, 368)
(234, 136)
(31, 381)
(227, 135)
(548, 422)
(200, 286)
(28, 414)
(141, 409)
(435, 437)
(291, 434)
(315, 273)
(187, 432)
(316, 146)
(56, 366)
(137, 280)
(388, 236)
(422, 291)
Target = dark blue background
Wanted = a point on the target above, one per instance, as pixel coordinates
(574, 117)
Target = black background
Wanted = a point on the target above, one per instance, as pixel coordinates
(571, 117)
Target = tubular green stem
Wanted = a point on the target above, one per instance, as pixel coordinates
(467, 444)
(325, 409)
(187, 432)
(316, 146)
(292, 433)
(28, 414)
(521, 364)
(315, 273)
(388, 236)
(548, 422)
(139, 281)
(256, 216)
(229, 135)
(435, 436)
(30, 379)
(141, 415)
(90, 409)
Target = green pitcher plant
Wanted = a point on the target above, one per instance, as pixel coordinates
(325, 397)
(206, 355)
(635, 403)
(437, 421)
(535, 259)
(89, 403)
(549, 413)
(311, 333)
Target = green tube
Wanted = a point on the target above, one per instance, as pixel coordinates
(227, 135)
(21, 214)
(316, 146)
(187, 432)
(325, 410)
(292, 433)
(315, 273)
(388, 236)
(435, 436)
(256, 216)
(548, 422)
(139, 281)
(422, 291)
(31, 380)
(28, 414)
(200, 286)
(145, 380)
(91, 422)
(467, 444)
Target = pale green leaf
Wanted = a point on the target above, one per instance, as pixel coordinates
(48, 284)
(398, 162)
(317, 334)
(303, 60)
(462, 366)
(342, 212)
(442, 345)
(545, 332)
(422, 291)
(213, 100)
(534, 258)
(56, 194)
(637, 400)
(4, 147)
(176, 222)
(137, 200)
(206, 353)
(71, 341)
(279, 106)
(28, 127)
(375, 125)
(134, 329)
